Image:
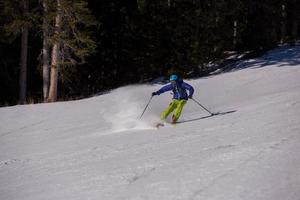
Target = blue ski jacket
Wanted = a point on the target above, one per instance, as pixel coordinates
(179, 90)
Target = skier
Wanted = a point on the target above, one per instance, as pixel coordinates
(180, 97)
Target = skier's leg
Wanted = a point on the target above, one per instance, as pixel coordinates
(169, 109)
(178, 110)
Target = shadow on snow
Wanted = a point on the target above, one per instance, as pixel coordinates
(214, 114)
(282, 56)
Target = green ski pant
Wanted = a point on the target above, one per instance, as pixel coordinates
(176, 105)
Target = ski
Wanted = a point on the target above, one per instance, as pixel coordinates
(163, 124)
(159, 125)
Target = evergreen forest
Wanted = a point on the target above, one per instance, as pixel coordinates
(56, 50)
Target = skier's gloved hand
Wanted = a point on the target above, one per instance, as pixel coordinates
(154, 93)
(190, 96)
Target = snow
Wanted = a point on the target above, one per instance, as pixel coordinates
(98, 148)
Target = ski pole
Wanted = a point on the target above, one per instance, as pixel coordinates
(203, 107)
(146, 107)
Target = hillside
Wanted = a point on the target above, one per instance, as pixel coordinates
(98, 148)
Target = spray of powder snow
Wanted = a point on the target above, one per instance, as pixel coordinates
(127, 104)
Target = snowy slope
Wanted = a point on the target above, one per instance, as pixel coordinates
(97, 148)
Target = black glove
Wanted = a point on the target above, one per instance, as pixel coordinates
(190, 96)
(154, 93)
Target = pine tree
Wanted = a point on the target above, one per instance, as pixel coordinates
(46, 50)
(71, 40)
(17, 23)
(23, 56)
(55, 59)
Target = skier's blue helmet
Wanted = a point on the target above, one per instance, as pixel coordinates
(173, 77)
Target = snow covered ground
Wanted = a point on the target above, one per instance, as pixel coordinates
(97, 148)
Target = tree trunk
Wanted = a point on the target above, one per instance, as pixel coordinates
(283, 23)
(295, 21)
(235, 34)
(54, 74)
(169, 3)
(55, 60)
(45, 51)
(23, 58)
(295, 31)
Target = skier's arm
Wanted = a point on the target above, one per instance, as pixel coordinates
(163, 89)
(189, 88)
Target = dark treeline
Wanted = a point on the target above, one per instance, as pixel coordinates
(62, 49)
